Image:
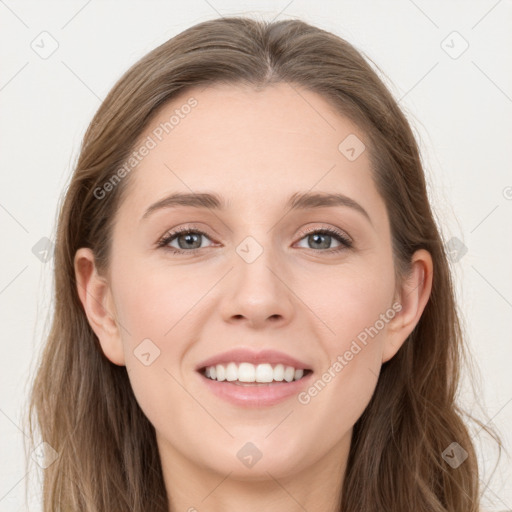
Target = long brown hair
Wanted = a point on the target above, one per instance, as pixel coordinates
(83, 404)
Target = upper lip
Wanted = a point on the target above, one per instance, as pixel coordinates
(242, 355)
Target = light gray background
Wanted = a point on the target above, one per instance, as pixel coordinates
(460, 107)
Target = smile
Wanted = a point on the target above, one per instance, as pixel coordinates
(249, 373)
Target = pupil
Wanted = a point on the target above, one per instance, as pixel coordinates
(189, 237)
(319, 235)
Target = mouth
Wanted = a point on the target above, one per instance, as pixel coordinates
(247, 385)
(248, 374)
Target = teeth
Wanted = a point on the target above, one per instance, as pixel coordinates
(264, 373)
(221, 372)
(247, 372)
(279, 372)
(289, 373)
(231, 372)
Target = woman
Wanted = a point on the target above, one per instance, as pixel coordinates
(254, 308)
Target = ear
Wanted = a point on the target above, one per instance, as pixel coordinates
(98, 304)
(413, 296)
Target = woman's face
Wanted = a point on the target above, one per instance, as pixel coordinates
(263, 278)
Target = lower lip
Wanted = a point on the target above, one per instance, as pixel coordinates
(256, 395)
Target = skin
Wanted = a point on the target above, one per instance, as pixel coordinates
(255, 148)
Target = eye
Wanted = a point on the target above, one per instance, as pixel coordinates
(190, 240)
(187, 239)
(322, 238)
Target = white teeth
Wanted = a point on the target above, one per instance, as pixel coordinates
(264, 373)
(221, 372)
(247, 372)
(289, 373)
(279, 372)
(231, 372)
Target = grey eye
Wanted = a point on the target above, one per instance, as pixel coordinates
(319, 240)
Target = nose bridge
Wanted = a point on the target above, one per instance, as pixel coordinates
(257, 262)
(257, 285)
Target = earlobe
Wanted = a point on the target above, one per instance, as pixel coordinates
(96, 298)
(413, 297)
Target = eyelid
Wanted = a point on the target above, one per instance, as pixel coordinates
(330, 230)
(172, 233)
(344, 239)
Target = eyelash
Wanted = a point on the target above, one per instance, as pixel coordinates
(345, 242)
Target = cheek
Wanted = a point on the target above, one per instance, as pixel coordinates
(156, 312)
(150, 300)
(351, 300)
(151, 308)
(356, 305)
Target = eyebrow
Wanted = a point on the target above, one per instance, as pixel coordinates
(297, 201)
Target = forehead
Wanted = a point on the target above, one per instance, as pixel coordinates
(239, 142)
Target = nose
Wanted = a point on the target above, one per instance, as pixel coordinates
(258, 292)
